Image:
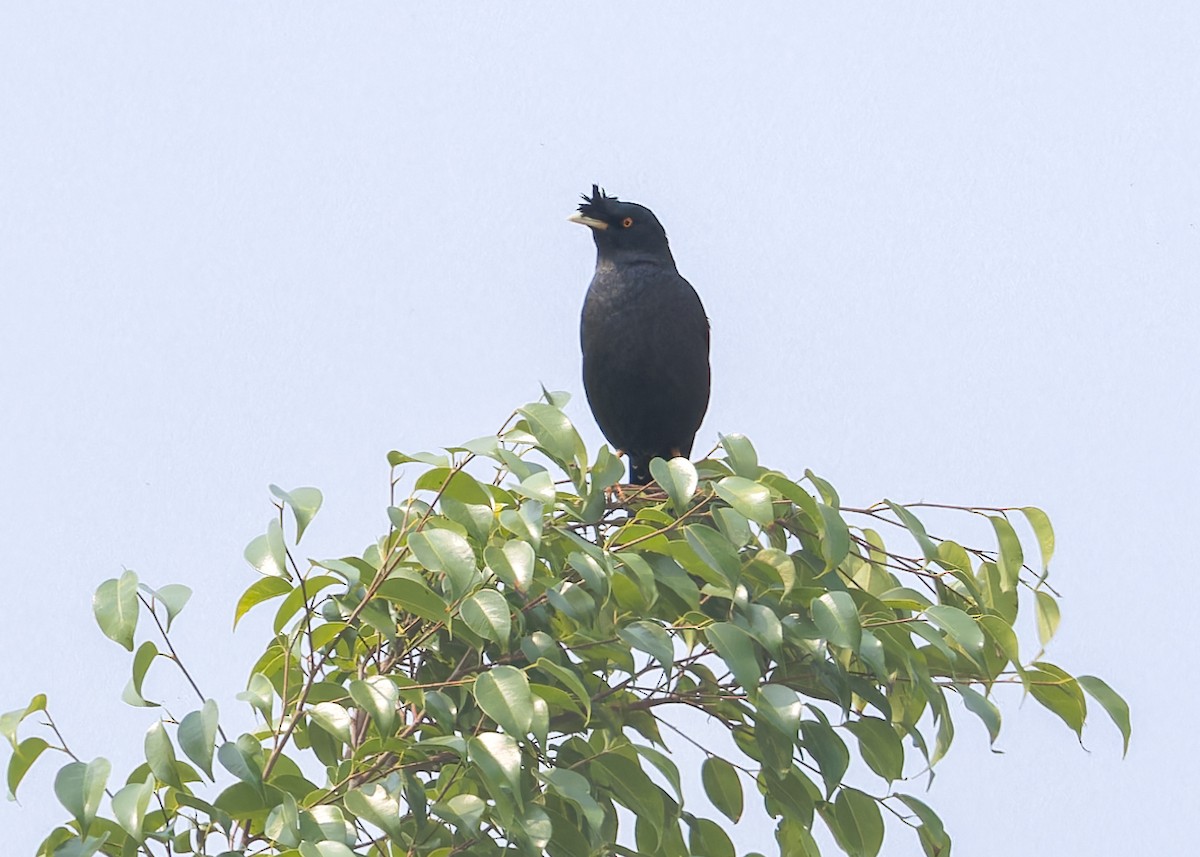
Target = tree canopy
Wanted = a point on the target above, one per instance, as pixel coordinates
(502, 671)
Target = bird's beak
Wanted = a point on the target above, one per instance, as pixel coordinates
(589, 222)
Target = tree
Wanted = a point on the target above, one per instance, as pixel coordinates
(500, 670)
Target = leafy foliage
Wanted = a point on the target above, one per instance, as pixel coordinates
(498, 672)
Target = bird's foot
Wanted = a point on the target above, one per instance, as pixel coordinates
(625, 494)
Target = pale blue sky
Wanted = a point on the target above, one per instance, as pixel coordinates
(949, 253)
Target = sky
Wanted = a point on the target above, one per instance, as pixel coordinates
(949, 252)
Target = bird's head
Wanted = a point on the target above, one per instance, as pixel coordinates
(621, 228)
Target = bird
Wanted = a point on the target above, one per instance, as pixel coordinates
(644, 336)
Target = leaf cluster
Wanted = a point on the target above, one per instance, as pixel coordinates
(501, 672)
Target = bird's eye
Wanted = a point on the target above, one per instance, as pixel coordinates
(627, 222)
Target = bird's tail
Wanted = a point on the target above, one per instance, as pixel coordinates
(639, 470)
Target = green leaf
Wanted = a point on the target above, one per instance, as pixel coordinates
(903, 598)
(1058, 691)
(503, 694)
(160, 755)
(555, 434)
(960, 627)
(708, 838)
(241, 764)
(836, 542)
(837, 619)
(678, 478)
(1011, 556)
(781, 564)
(931, 825)
(595, 574)
(537, 486)
(411, 513)
(512, 562)
(260, 693)
(174, 597)
(781, 706)
(535, 828)
(450, 483)
(570, 680)
(827, 749)
(327, 848)
(764, 626)
(129, 806)
(722, 786)
(115, 605)
(827, 492)
(305, 591)
(412, 595)
(860, 822)
(1112, 703)
(464, 811)
(916, 528)
(795, 839)
(575, 788)
(417, 798)
(378, 696)
(740, 455)
(952, 555)
(304, 503)
(629, 784)
(331, 717)
(983, 708)
(649, 637)
(879, 745)
(1047, 616)
(267, 552)
(81, 847)
(79, 787)
(871, 651)
(945, 723)
(736, 648)
(24, 755)
(931, 634)
(715, 551)
(283, 822)
(663, 764)
(499, 761)
(145, 656)
(1040, 522)
(486, 613)
(477, 518)
(607, 471)
(445, 551)
(261, 590)
(525, 523)
(750, 498)
(1004, 637)
(198, 734)
(733, 525)
(487, 446)
(803, 500)
(433, 459)
(376, 805)
(10, 720)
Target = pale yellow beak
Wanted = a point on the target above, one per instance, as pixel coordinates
(589, 222)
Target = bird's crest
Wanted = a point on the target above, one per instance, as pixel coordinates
(598, 205)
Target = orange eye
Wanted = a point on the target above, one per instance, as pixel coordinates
(627, 222)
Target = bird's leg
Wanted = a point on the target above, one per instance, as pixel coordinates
(615, 492)
(624, 494)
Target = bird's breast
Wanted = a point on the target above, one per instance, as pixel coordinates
(639, 314)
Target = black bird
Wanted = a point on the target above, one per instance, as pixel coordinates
(644, 336)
